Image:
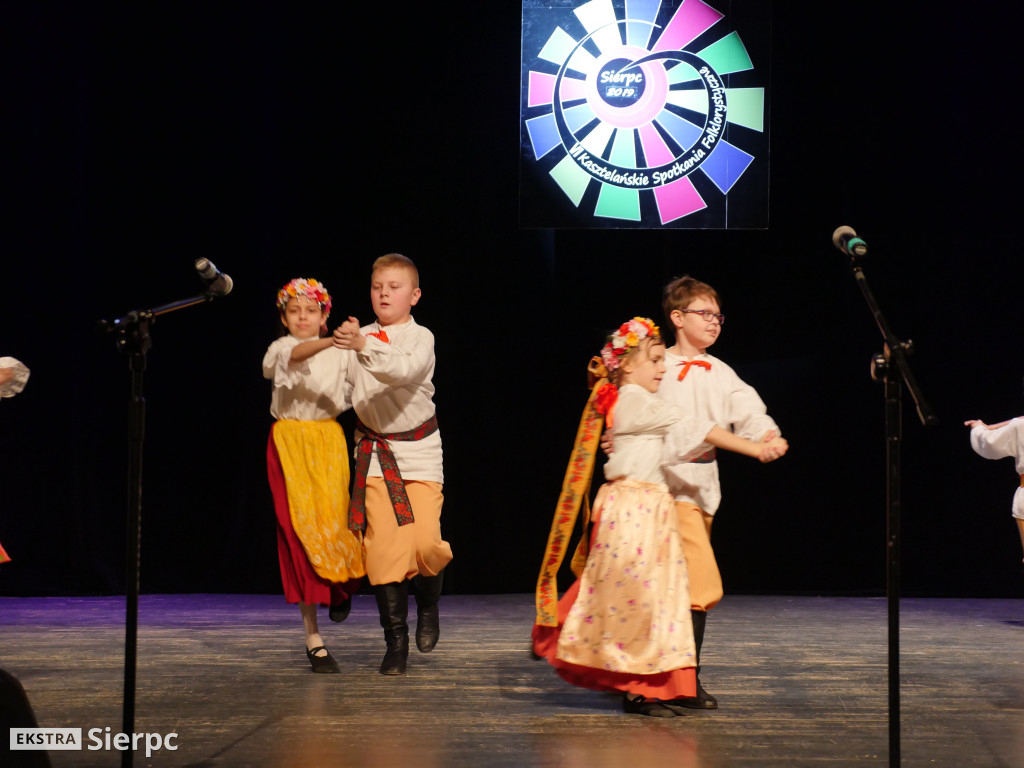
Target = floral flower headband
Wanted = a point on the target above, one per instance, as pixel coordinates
(313, 290)
(627, 337)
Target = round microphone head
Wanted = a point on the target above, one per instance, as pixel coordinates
(228, 285)
(841, 234)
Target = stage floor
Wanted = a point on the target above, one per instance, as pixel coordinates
(802, 681)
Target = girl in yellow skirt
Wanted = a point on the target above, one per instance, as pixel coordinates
(307, 464)
(625, 624)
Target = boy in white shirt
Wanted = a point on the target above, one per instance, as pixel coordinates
(705, 387)
(397, 495)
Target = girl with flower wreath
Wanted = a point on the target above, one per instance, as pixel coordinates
(307, 464)
(624, 625)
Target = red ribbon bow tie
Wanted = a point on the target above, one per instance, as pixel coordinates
(688, 364)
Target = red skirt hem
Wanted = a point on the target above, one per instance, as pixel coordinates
(673, 684)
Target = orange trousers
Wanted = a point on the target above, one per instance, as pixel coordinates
(398, 552)
(705, 578)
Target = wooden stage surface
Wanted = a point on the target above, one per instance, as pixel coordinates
(802, 681)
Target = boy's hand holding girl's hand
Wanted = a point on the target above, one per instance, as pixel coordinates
(347, 335)
(772, 447)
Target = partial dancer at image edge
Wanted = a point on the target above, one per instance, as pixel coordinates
(13, 378)
(307, 465)
(1002, 441)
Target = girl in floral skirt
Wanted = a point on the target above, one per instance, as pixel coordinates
(625, 624)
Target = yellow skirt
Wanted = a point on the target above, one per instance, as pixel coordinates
(314, 460)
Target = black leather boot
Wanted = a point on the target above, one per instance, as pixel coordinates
(703, 699)
(393, 606)
(428, 626)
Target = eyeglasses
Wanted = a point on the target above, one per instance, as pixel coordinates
(707, 314)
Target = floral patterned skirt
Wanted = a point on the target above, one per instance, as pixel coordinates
(625, 624)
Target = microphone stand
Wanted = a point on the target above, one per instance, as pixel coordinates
(134, 340)
(893, 369)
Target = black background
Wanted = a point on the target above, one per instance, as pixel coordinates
(283, 139)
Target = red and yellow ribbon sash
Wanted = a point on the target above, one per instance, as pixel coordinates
(575, 493)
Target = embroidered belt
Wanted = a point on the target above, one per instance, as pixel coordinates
(389, 467)
(705, 458)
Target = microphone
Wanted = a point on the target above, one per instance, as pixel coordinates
(846, 240)
(217, 283)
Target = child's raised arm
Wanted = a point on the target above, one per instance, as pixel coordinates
(391, 362)
(979, 423)
(772, 448)
(306, 349)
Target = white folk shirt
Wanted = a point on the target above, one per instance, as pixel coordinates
(640, 422)
(394, 392)
(316, 388)
(723, 397)
(1004, 442)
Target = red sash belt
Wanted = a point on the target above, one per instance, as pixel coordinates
(705, 458)
(389, 466)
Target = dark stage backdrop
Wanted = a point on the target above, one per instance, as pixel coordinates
(282, 140)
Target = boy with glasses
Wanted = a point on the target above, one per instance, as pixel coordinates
(704, 387)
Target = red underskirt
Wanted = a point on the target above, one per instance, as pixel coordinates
(675, 684)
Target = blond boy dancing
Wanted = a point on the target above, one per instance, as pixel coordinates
(397, 494)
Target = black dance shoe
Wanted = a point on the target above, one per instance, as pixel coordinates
(649, 707)
(340, 612)
(703, 700)
(322, 664)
